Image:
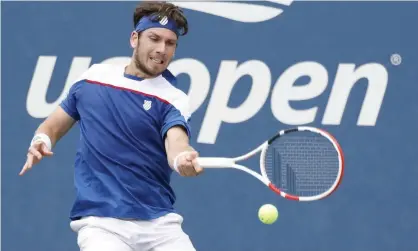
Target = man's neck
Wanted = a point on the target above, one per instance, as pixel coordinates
(131, 69)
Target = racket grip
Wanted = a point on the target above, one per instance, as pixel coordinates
(206, 162)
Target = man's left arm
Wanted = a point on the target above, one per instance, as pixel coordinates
(176, 134)
(180, 155)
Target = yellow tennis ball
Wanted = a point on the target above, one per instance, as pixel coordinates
(268, 214)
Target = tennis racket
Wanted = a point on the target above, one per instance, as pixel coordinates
(302, 163)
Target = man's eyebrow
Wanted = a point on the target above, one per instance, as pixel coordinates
(151, 33)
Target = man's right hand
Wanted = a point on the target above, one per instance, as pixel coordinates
(35, 153)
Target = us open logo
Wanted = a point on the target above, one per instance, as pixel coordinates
(164, 21)
(147, 105)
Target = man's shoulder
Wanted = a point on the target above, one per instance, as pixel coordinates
(172, 91)
(107, 69)
(169, 77)
(101, 73)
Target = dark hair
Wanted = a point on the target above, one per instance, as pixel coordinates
(160, 9)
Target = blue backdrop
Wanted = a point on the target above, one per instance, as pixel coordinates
(348, 67)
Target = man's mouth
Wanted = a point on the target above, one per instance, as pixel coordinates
(156, 60)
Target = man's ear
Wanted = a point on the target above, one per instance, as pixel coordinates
(134, 39)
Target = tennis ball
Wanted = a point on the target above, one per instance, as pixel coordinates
(268, 214)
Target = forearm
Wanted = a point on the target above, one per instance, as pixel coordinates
(56, 126)
(177, 142)
(53, 134)
(176, 150)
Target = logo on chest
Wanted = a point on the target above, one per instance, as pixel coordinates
(147, 105)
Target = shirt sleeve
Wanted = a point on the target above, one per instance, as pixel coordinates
(177, 114)
(69, 104)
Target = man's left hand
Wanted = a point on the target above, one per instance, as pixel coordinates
(187, 164)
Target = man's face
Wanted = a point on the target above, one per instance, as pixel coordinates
(154, 50)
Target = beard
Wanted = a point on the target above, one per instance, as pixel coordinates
(140, 65)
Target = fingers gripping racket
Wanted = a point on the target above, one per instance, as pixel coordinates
(302, 163)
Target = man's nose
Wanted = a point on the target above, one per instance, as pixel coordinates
(161, 47)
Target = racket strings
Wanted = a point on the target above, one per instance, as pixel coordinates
(303, 165)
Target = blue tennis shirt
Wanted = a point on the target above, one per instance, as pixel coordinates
(121, 167)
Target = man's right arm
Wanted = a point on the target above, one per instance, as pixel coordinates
(56, 125)
(53, 128)
(46, 136)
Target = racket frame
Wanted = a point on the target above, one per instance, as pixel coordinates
(215, 162)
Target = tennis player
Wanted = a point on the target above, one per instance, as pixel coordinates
(134, 131)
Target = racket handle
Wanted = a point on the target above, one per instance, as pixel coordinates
(215, 162)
